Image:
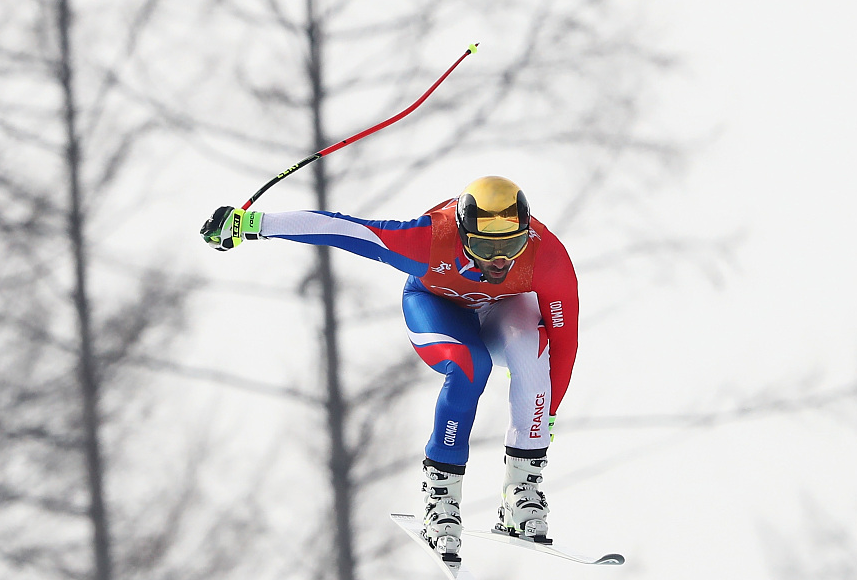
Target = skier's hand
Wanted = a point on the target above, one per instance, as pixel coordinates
(551, 419)
(227, 227)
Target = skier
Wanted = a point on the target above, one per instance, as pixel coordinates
(488, 284)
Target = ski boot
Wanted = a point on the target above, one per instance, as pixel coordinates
(524, 508)
(442, 522)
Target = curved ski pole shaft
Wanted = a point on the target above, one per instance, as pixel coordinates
(356, 137)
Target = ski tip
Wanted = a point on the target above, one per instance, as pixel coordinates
(611, 559)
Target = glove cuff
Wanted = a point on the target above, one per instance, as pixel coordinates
(251, 225)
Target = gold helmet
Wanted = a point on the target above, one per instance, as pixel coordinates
(493, 219)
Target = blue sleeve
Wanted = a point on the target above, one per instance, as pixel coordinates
(404, 245)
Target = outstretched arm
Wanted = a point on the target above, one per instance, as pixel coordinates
(403, 245)
(555, 284)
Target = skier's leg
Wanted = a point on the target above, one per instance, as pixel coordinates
(516, 339)
(513, 332)
(446, 337)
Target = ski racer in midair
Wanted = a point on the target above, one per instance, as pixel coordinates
(488, 285)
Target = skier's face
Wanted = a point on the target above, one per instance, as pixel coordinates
(494, 271)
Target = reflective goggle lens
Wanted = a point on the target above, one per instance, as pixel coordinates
(509, 247)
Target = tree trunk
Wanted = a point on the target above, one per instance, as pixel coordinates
(340, 456)
(87, 376)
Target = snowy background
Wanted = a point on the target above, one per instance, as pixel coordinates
(755, 495)
(710, 430)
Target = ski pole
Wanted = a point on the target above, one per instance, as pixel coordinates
(356, 137)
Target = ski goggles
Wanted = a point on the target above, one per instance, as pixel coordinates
(490, 248)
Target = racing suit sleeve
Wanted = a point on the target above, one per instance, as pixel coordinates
(405, 245)
(555, 284)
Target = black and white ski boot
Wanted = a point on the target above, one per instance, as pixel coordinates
(442, 522)
(524, 510)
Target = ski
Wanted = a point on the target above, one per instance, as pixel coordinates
(413, 527)
(545, 548)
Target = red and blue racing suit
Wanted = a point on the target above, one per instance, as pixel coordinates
(442, 298)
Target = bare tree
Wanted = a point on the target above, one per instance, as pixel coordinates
(72, 327)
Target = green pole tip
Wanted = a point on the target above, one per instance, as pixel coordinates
(472, 48)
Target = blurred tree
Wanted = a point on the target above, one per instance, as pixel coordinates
(74, 323)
